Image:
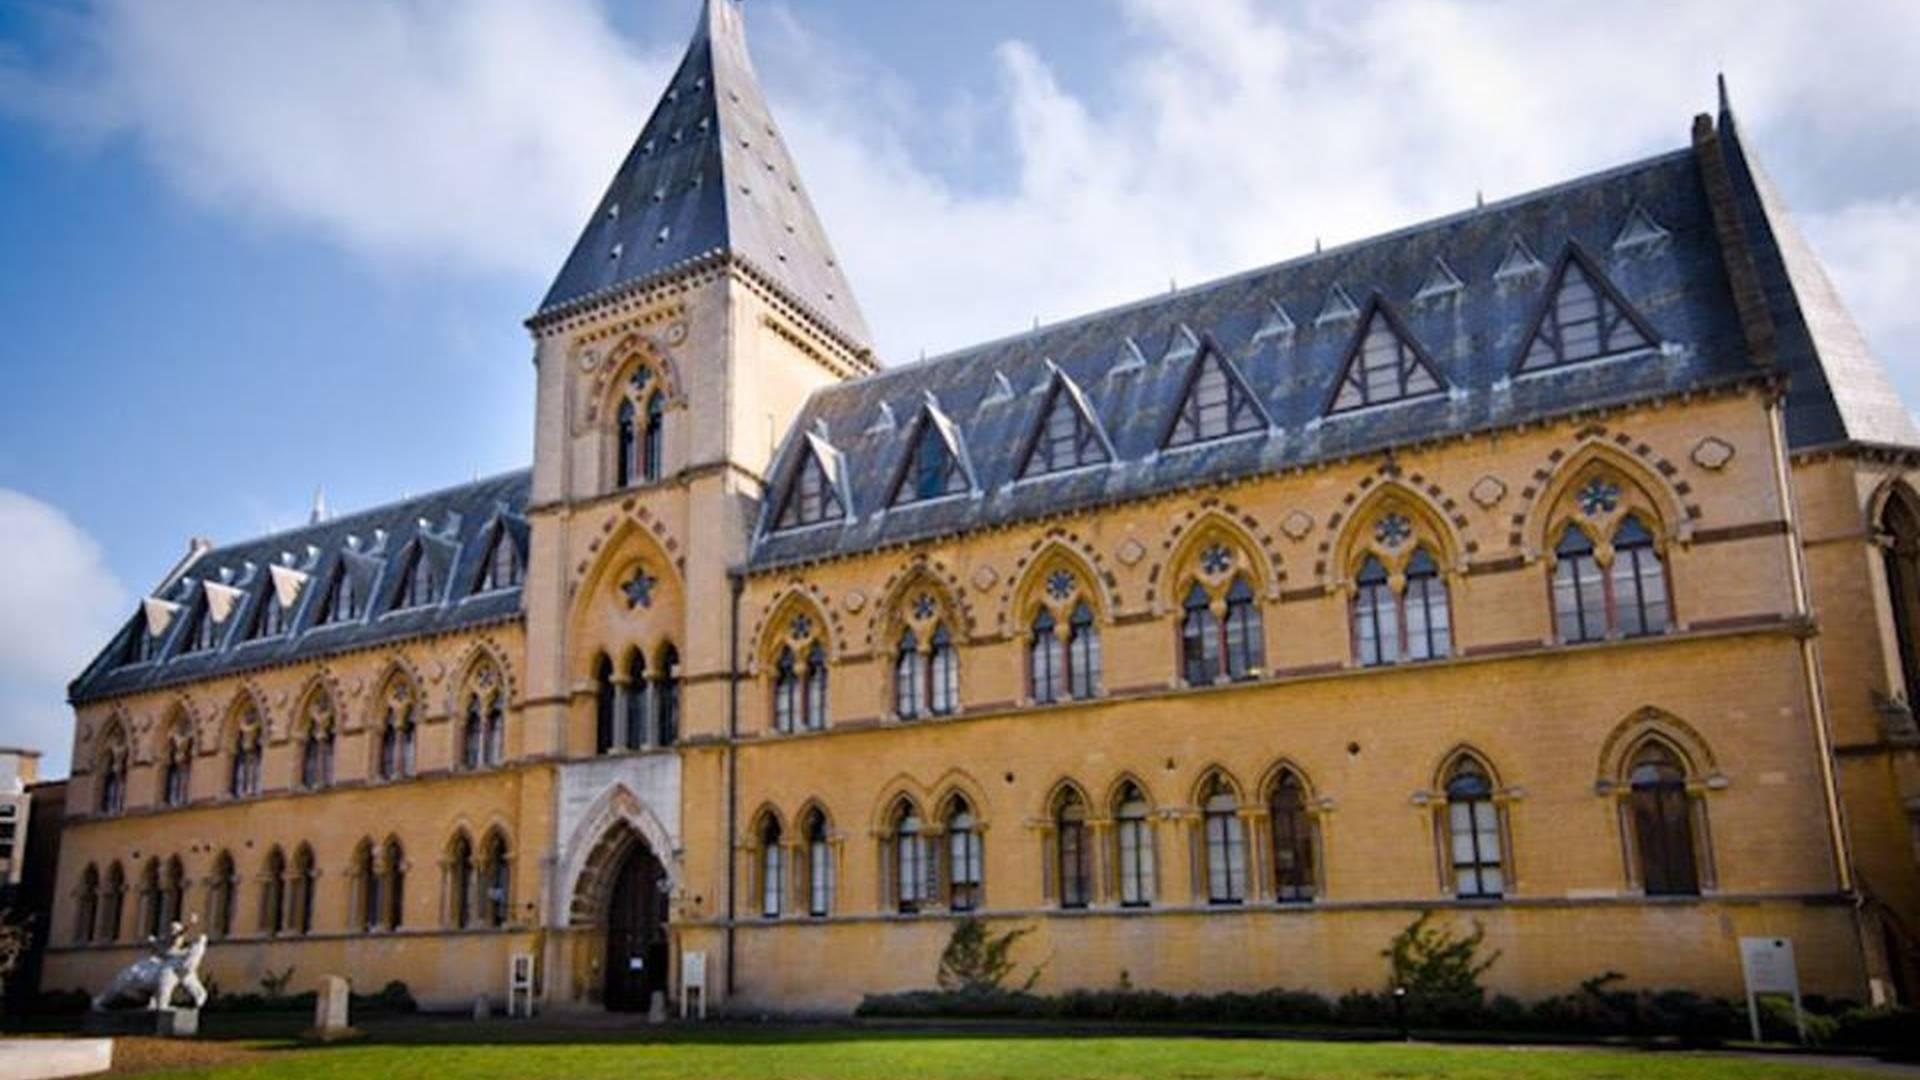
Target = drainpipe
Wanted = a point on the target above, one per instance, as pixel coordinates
(736, 585)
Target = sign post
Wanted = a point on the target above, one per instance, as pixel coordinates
(1767, 964)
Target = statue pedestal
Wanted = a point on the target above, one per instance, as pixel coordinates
(165, 1023)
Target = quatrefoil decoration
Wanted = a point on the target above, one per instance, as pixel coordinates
(1392, 530)
(639, 588)
(1599, 497)
(1216, 559)
(801, 628)
(923, 606)
(1060, 585)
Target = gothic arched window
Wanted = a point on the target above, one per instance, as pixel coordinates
(1410, 622)
(300, 891)
(1046, 659)
(1292, 832)
(964, 864)
(815, 713)
(496, 868)
(1662, 813)
(1473, 832)
(1133, 844)
(666, 698)
(177, 781)
(626, 446)
(1199, 638)
(112, 766)
(819, 866)
(653, 438)
(398, 732)
(221, 888)
(244, 778)
(603, 701)
(462, 882)
(1073, 849)
(1226, 843)
(273, 893)
(773, 870)
(786, 691)
(913, 870)
(635, 720)
(908, 668)
(112, 903)
(86, 911)
(316, 748)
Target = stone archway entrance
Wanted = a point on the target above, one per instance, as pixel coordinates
(636, 963)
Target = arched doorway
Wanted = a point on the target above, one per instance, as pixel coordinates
(637, 957)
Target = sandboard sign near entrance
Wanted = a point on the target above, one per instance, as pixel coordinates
(1767, 965)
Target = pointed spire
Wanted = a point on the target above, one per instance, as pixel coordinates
(710, 176)
(318, 515)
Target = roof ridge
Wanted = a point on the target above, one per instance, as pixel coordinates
(366, 512)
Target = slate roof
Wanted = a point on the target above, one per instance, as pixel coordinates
(460, 524)
(1468, 288)
(710, 176)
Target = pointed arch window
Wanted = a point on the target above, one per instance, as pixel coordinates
(496, 867)
(1066, 438)
(634, 723)
(398, 734)
(1046, 659)
(1899, 541)
(1217, 404)
(1414, 623)
(1473, 833)
(273, 893)
(666, 698)
(150, 924)
(1292, 832)
(1225, 839)
(113, 771)
(86, 912)
(393, 865)
(243, 780)
(913, 870)
(931, 469)
(1074, 850)
(1592, 601)
(1584, 318)
(1083, 653)
(964, 863)
(603, 706)
(177, 782)
(1133, 843)
(786, 691)
(113, 903)
(221, 889)
(316, 749)
(173, 894)
(1199, 638)
(1215, 649)
(811, 497)
(626, 445)
(653, 438)
(300, 885)
(366, 869)
(773, 870)
(1663, 828)
(1384, 365)
(908, 669)
(943, 673)
(463, 881)
(815, 705)
(819, 866)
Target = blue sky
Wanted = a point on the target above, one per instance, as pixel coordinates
(248, 250)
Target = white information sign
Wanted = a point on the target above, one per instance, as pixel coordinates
(1767, 965)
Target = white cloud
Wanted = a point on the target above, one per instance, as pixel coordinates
(1228, 134)
(58, 606)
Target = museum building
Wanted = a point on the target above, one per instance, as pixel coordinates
(1552, 566)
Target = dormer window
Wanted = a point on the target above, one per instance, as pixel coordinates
(141, 645)
(1384, 365)
(1584, 318)
(421, 586)
(502, 568)
(1066, 438)
(1217, 403)
(811, 498)
(342, 602)
(931, 469)
(271, 619)
(200, 636)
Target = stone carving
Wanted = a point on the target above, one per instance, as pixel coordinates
(854, 600)
(1487, 491)
(172, 967)
(1131, 551)
(984, 578)
(1297, 525)
(1712, 453)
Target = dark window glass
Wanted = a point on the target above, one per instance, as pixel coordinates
(943, 674)
(1199, 639)
(819, 867)
(811, 498)
(1046, 656)
(907, 667)
(963, 859)
(1579, 589)
(635, 720)
(666, 698)
(931, 470)
(816, 696)
(1083, 653)
(1663, 824)
(1075, 851)
(626, 446)
(653, 448)
(1376, 633)
(603, 740)
(786, 691)
(1292, 829)
(1244, 647)
(913, 883)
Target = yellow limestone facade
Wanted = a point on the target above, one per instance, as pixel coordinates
(1273, 827)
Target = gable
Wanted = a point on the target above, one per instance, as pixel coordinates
(1216, 404)
(1582, 318)
(1384, 365)
(932, 467)
(812, 497)
(1066, 435)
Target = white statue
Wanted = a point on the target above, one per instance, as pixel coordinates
(173, 967)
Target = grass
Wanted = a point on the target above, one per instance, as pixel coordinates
(397, 1050)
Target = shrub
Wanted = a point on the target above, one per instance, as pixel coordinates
(1439, 969)
(975, 961)
(1889, 1028)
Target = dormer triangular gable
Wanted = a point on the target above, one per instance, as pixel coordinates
(1519, 262)
(1339, 307)
(1181, 345)
(1384, 364)
(1066, 433)
(1215, 403)
(816, 489)
(1441, 281)
(159, 615)
(287, 583)
(221, 600)
(1276, 325)
(935, 465)
(1639, 230)
(1583, 317)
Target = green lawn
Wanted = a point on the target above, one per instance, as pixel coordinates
(450, 1050)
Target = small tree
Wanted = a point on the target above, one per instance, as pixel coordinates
(1437, 966)
(978, 962)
